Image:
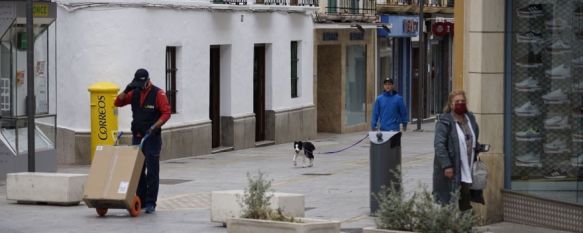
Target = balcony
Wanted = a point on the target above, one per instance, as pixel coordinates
(288, 2)
(313, 3)
(348, 11)
(412, 6)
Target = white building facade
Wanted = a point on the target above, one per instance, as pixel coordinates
(237, 75)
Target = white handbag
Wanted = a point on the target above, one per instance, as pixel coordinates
(479, 175)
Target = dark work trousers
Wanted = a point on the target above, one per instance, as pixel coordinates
(465, 198)
(150, 176)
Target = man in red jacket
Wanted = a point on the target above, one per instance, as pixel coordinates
(150, 110)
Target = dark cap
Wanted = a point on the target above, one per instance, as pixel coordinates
(140, 78)
(388, 80)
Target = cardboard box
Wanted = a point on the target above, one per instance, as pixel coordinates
(114, 176)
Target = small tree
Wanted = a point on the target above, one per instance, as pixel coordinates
(256, 200)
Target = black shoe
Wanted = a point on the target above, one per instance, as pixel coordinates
(530, 60)
(529, 37)
(579, 11)
(556, 174)
(530, 11)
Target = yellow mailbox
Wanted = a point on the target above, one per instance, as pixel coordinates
(103, 114)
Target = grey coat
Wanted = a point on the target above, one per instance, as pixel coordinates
(447, 154)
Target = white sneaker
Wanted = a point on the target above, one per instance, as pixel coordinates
(529, 133)
(556, 24)
(556, 95)
(557, 122)
(577, 161)
(556, 146)
(578, 87)
(528, 84)
(527, 109)
(578, 61)
(559, 72)
(559, 47)
(529, 158)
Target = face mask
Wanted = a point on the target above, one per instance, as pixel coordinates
(460, 108)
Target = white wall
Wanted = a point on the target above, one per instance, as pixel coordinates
(109, 44)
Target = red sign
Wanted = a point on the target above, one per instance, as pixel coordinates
(438, 29)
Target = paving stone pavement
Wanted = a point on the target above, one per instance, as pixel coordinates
(337, 187)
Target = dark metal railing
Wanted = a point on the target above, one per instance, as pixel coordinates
(431, 3)
(289, 2)
(235, 2)
(351, 7)
(309, 2)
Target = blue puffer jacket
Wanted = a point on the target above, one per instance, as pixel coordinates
(390, 110)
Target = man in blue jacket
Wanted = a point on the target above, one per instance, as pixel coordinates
(389, 109)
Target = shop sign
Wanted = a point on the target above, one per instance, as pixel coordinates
(402, 26)
(442, 28)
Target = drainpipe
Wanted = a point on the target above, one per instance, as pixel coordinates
(422, 66)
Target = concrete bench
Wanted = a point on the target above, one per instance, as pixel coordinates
(226, 204)
(50, 188)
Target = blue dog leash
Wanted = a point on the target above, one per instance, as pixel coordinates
(338, 151)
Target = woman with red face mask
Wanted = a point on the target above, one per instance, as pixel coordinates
(455, 143)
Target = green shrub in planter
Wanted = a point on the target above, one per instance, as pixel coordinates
(394, 211)
(256, 200)
(435, 218)
(420, 213)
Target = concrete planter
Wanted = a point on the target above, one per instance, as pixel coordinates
(243, 225)
(226, 204)
(375, 230)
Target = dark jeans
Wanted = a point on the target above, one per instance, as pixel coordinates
(465, 197)
(150, 176)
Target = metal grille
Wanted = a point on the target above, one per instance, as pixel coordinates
(524, 209)
(352, 7)
(546, 103)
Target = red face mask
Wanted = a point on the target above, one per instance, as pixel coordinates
(460, 108)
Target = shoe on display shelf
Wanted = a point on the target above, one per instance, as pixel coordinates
(530, 60)
(557, 122)
(529, 37)
(577, 136)
(527, 109)
(578, 112)
(556, 146)
(529, 158)
(556, 24)
(578, 61)
(559, 72)
(556, 174)
(578, 87)
(559, 47)
(577, 161)
(579, 11)
(530, 11)
(529, 84)
(555, 96)
(530, 134)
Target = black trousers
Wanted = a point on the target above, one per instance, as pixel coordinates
(150, 176)
(465, 197)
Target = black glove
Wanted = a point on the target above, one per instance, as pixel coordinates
(129, 87)
(151, 129)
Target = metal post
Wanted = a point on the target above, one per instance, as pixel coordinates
(422, 66)
(30, 107)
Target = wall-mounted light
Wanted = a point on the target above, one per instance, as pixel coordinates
(386, 27)
(359, 27)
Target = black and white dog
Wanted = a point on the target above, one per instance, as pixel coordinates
(308, 148)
